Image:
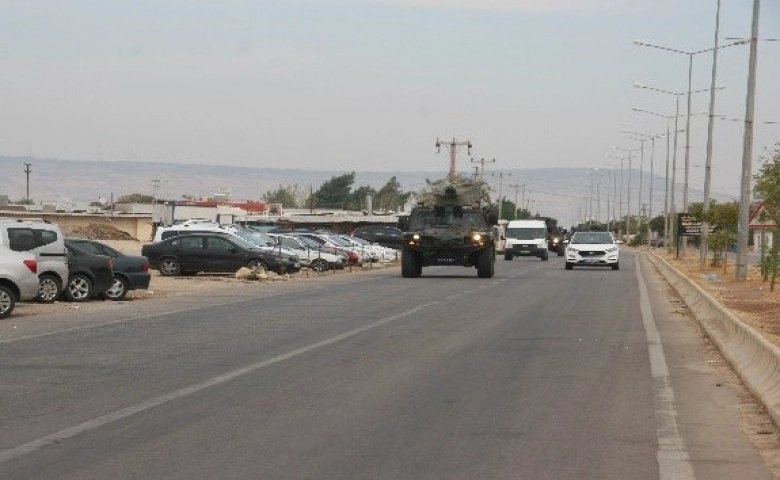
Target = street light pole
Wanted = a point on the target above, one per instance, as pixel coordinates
(747, 151)
(705, 230)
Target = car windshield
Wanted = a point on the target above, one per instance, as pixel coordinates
(526, 233)
(593, 238)
(445, 216)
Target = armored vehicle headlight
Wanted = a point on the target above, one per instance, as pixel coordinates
(415, 237)
(476, 237)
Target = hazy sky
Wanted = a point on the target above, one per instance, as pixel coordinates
(369, 84)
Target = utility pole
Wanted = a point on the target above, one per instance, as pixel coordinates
(481, 167)
(27, 172)
(501, 192)
(743, 224)
(517, 187)
(453, 146)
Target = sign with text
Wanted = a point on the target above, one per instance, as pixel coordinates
(688, 226)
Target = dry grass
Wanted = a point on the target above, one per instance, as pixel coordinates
(751, 299)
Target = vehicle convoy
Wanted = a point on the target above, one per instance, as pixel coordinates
(449, 227)
(526, 238)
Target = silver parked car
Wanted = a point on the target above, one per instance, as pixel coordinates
(18, 279)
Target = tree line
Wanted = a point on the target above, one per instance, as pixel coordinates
(338, 193)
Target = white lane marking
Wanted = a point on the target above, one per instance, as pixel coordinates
(171, 312)
(673, 459)
(112, 417)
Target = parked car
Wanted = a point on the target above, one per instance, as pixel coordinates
(88, 275)
(131, 272)
(311, 256)
(214, 253)
(18, 279)
(385, 235)
(380, 252)
(46, 242)
(323, 241)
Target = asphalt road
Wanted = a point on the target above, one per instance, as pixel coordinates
(538, 373)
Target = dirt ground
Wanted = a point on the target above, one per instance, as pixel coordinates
(751, 300)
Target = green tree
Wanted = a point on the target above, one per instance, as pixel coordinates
(357, 199)
(509, 210)
(724, 217)
(768, 189)
(287, 196)
(390, 196)
(336, 192)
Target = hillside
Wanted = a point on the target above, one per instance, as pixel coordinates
(555, 192)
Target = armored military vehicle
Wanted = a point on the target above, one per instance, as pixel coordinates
(449, 227)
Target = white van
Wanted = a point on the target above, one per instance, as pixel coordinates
(526, 238)
(45, 240)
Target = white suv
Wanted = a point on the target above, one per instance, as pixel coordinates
(18, 279)
(592, 249)
(45, 240)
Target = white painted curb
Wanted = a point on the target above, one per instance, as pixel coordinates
(753, 357)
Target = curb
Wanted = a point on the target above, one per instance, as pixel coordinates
(755, 359)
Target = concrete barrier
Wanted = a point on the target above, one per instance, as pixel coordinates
(755, 359)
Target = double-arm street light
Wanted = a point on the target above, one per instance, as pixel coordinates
(677, 96)
(712, 89)
(642, 137)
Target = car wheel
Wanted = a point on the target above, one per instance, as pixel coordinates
(486, 264)
(569, 266)
(50, 288)
(79, 288)
(545, 257)
(118, 289)
(409, 264)
(318, 265)
(508, 257)
(170, 267)
(7, 301)
(257, 265)
(615, 266)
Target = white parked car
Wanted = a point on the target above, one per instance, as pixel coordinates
(45, 241)
(18, 279)
(312, 258)
(382, 254)
(592, 249)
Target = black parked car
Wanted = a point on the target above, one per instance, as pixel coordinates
(88, 275)
(384, 235)
(131, 272)
(214, 253)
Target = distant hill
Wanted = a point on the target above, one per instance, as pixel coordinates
(556, 192)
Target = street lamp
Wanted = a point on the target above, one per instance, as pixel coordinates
(677, 96)
(628, 196)
(691, 54)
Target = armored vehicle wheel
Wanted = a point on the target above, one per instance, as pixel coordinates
(486, 264)
(508, 256)
(409, 265)
(545, 256)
